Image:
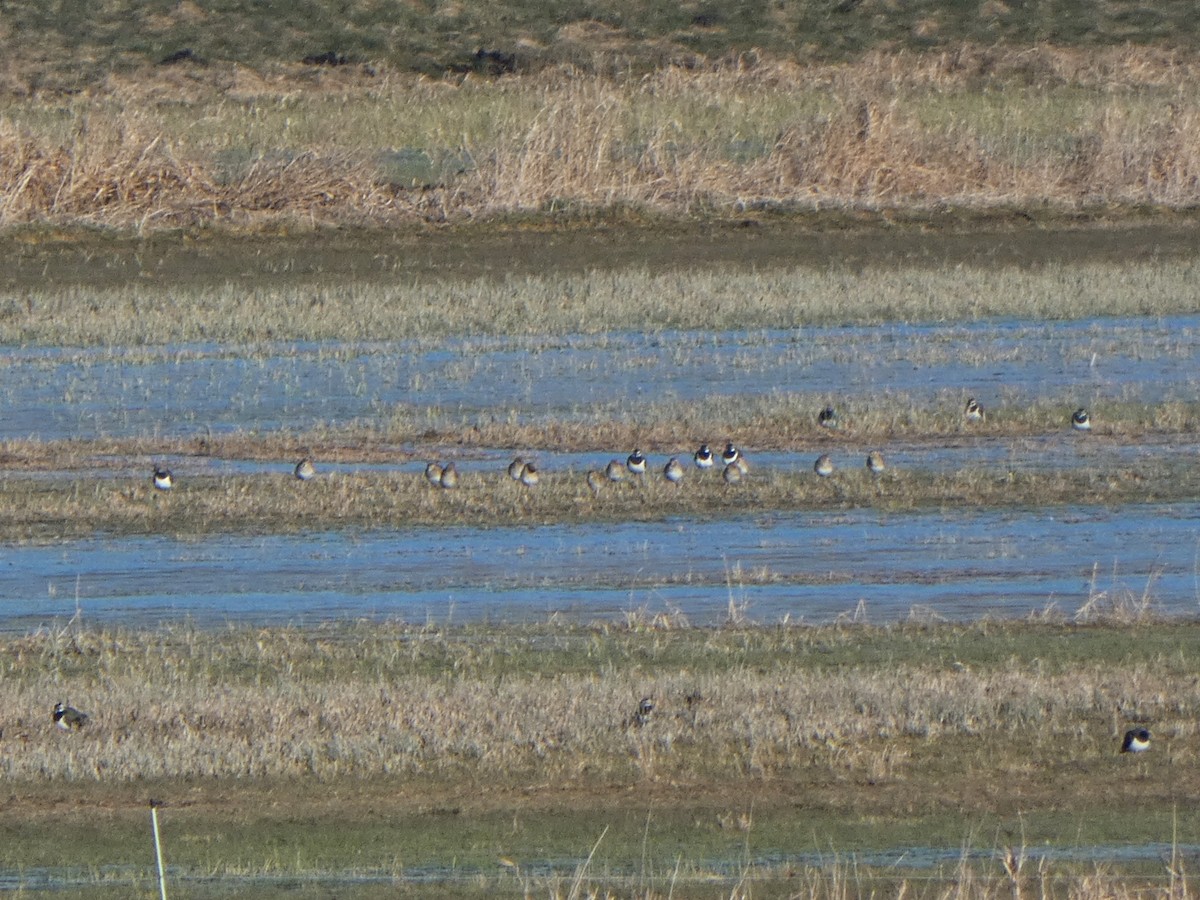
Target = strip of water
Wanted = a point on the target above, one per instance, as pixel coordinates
(954, 564)
(185, 390)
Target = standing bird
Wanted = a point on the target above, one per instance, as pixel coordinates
(614, 471)
(1136, 740)
(973, 412)
(673, 471)
(305, 469)
(730, 454)
(449, 476)
(515, 467)
(595, 480)
(1080, 420)
(163, 480)
(875, 462)
(636, 462)
(529, 475)
(642, 716)
(68, 718)
(703, 458)
(827, 418)
(433, 474)
(732, 474)
(823, 466)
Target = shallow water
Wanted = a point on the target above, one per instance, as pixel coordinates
(814, 567)
(181, 391)
(898, 861)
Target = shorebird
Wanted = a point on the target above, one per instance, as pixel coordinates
(636, 462)
(515, 467)
(304, 469)
(529, 475)
(642, 716)
(68, 718)
(673, 471)
(1136, 740)
(614, 471)
(732, 474)
(163, 480)
(595, 480)
(703, 458)
(827, 418)
(1080, 420)
(449, 476)
(730, 454)
(875, 462)
(433, 474)
(973, 412)
(823, 466)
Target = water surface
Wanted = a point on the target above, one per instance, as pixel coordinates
(187, 390)
(814, 567)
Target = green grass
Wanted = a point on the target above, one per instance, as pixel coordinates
(391, 300)
(118, 36)
(831, 740)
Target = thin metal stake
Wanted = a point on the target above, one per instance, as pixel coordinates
(162, 876)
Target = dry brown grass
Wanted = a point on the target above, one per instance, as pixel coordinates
(395, 701)
(343, 743)
(886, 132)
(32, 508)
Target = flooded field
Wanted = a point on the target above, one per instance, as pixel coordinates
(222, 410)
(183, 391)
(955, 565)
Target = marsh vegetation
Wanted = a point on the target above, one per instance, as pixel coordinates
(782, 739)
(387, 235)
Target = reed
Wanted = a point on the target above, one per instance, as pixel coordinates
(1068, 131)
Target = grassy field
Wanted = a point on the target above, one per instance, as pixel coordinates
(177, 173)
(76, 44)
(35, 509)
(1044, 132)
(364, 748)
(393, 298)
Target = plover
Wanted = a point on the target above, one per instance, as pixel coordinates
(1136, 740)
(433, 474)
(515, 467)
(875, 462)
(636, 462)
(68, 718)
(823, 466)
(644, 710)
(703, 458)
(305, 469)
(163, 479)
(595, 481)
(673, 471)
(1080, 420)
(449, 476)
(731, 473)
(973, 412)
(614, 471)
(730, 454)
(529, 475)
(827, 418)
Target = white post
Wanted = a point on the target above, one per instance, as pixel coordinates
(162, 877)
